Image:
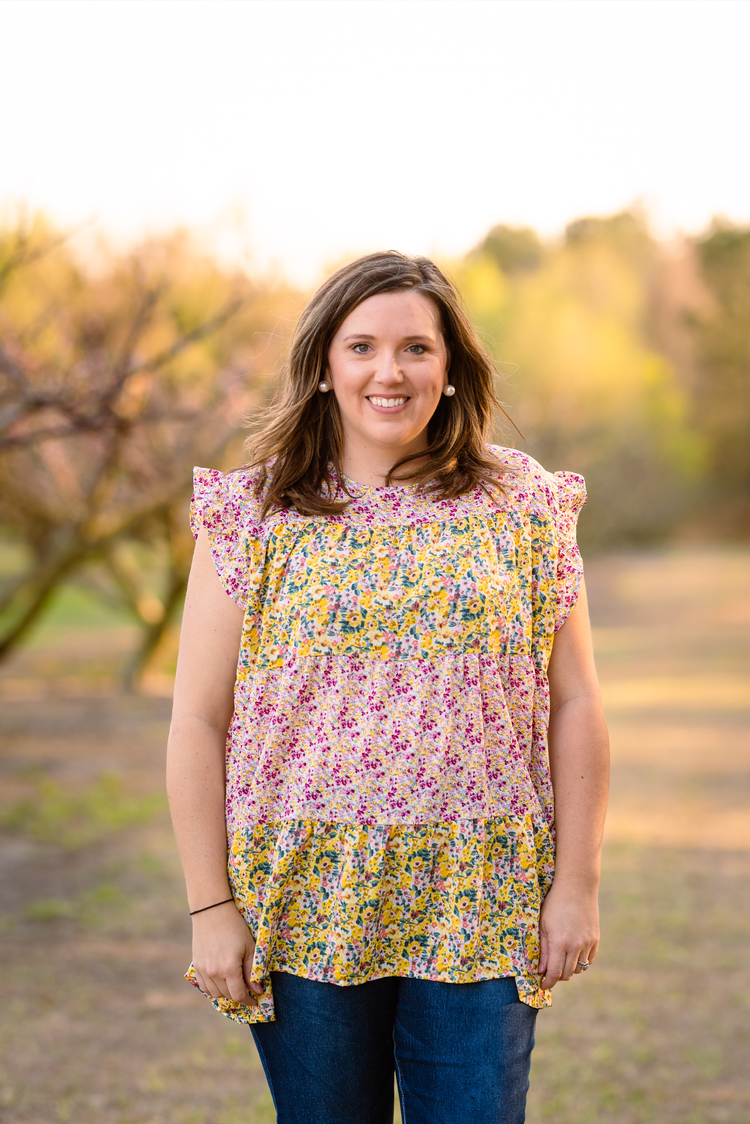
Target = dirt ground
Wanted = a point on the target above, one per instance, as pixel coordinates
(98, 1027)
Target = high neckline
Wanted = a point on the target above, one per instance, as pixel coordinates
(355, 485)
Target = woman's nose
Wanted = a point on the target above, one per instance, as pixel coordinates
(390, 372)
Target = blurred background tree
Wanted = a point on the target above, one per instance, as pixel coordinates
(114, 381)
(722, 389)
(585, 379)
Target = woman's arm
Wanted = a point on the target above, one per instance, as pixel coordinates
(579, 762)
(203, 704)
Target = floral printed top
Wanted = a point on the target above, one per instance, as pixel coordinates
(389, 806)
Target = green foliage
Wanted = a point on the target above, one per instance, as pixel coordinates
(514, 249)
(722, 398)
(584, 381)
(74, 819)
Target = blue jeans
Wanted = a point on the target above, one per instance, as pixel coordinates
(461, 1052)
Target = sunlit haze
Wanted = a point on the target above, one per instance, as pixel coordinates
(294, 133)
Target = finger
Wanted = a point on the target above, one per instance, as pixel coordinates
(228, 986)
(570, 966)
(247, 967)
(212, 987)
(200, 979)
(586, 957)
(237, 987)
(554, 969)
(543, 953)
(583, 960)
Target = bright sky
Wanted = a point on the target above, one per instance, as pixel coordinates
(301, 131)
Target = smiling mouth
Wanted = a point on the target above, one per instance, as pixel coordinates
(386, 403)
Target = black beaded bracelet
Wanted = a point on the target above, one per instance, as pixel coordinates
(205, 907)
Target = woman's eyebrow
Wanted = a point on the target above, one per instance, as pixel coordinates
(407, 339)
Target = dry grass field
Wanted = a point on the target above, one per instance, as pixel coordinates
(97, 1025)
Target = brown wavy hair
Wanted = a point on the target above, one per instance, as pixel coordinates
(299, 440)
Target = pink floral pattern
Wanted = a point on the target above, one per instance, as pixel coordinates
(389, 807)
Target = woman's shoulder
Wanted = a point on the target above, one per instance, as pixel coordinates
(526, 481)
(227, 498)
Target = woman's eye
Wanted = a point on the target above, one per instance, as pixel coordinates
(417, 348)
(361, 348)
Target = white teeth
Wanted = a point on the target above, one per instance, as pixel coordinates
(387, 401)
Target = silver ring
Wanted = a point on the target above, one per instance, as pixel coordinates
(584, 965)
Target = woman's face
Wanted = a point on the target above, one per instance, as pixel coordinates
(387, 367)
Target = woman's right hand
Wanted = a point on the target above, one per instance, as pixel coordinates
(223, 951)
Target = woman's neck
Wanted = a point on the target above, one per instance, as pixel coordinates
(371, 466)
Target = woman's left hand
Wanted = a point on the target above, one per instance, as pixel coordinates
(568, 931)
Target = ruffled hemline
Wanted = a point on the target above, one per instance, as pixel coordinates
(348, 903)
(264, 1012)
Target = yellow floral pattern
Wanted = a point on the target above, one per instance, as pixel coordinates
(389, 807)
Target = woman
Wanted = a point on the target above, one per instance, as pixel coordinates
(376, 869)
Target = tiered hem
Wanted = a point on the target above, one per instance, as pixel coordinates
(346, 903)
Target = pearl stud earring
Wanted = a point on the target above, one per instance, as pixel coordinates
(323, 387)
(449, 390)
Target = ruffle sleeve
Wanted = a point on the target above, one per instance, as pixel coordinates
(567, 497)
(226, 506)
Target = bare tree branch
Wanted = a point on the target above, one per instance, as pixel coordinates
(105, 405)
